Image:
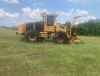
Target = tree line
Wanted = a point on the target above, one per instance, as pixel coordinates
(90, 28)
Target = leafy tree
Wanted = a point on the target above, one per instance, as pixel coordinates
(91, 28)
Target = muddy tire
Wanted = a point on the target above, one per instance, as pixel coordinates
(60, 38)
(30, 37)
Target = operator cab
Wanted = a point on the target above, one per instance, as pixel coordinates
(48, 21)
(51, 19)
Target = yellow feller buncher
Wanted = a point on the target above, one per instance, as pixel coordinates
(48, 28)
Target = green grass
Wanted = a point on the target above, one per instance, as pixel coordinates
(18, 58)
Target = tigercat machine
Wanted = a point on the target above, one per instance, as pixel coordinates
(48, 28)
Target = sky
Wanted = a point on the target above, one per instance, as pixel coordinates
(18, 11)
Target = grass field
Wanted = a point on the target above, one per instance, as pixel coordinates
(18, 58)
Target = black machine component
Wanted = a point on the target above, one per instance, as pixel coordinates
(36, 26)
(29, 27)
(39, 26)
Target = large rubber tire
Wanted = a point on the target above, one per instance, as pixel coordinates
(60, 38)
(30, 37)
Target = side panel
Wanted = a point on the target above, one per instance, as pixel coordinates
(21, 29)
